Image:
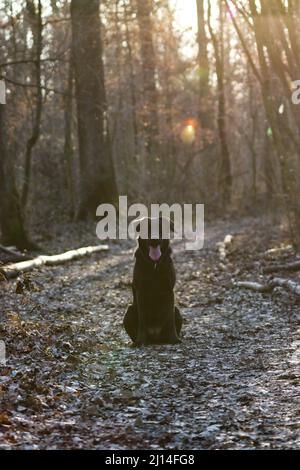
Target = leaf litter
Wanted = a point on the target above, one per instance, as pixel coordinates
(73, 380)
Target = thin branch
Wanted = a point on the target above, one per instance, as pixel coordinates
(244, 45)
(60, 20)
(29, 61)
(244, 14)
(32, 85)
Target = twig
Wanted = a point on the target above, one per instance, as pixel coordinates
(29, 61)
(33, 85)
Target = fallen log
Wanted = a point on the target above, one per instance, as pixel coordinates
(13, 270)
(288, 284)
(295, 266)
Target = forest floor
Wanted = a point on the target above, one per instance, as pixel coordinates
(73, 380)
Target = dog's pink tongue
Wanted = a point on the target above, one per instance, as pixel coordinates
(154, 253)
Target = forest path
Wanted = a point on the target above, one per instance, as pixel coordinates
(73, 380)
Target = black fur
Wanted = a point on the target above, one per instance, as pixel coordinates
(153, 318)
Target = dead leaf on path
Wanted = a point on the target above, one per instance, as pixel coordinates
(4, 419)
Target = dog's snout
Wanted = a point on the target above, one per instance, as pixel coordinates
(154, 242)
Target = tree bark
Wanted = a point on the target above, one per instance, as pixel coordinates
(132, 79)
(97, 178)
(149, 113)
(11, 218)
(37, 29)
(203, 63)
(68, 139)
(224, 174)
(282, 135)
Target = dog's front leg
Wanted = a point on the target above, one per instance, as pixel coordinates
(142, 327)
(173, 337)
(172, 333)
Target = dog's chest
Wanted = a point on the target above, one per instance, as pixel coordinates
(157, 276)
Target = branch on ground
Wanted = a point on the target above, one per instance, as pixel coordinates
(13, 270)
(288, 284)
(295, 266)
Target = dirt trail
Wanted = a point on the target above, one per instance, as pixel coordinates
(72, 379)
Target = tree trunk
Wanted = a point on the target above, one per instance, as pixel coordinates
(150, 113)
(203, 63)
(68, 141)
(281, 134)
(97, 178)
(11, 220)
(132, 79)
(224, 174)
(37, 29)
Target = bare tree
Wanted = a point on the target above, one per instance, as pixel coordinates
(149, 112)
(224, 174)
(37, 30)
(97, 177)
(11, 219)
(203, 63)
(68, 138)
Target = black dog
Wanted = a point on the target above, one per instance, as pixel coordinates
(153, 317)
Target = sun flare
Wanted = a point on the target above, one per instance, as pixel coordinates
(188, 134)
(186, 13)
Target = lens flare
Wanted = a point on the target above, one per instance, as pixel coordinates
(188, 134)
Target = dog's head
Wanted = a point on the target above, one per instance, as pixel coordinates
(154, 236)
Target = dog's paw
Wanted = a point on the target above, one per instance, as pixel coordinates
(174, 340)
(141, 341)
